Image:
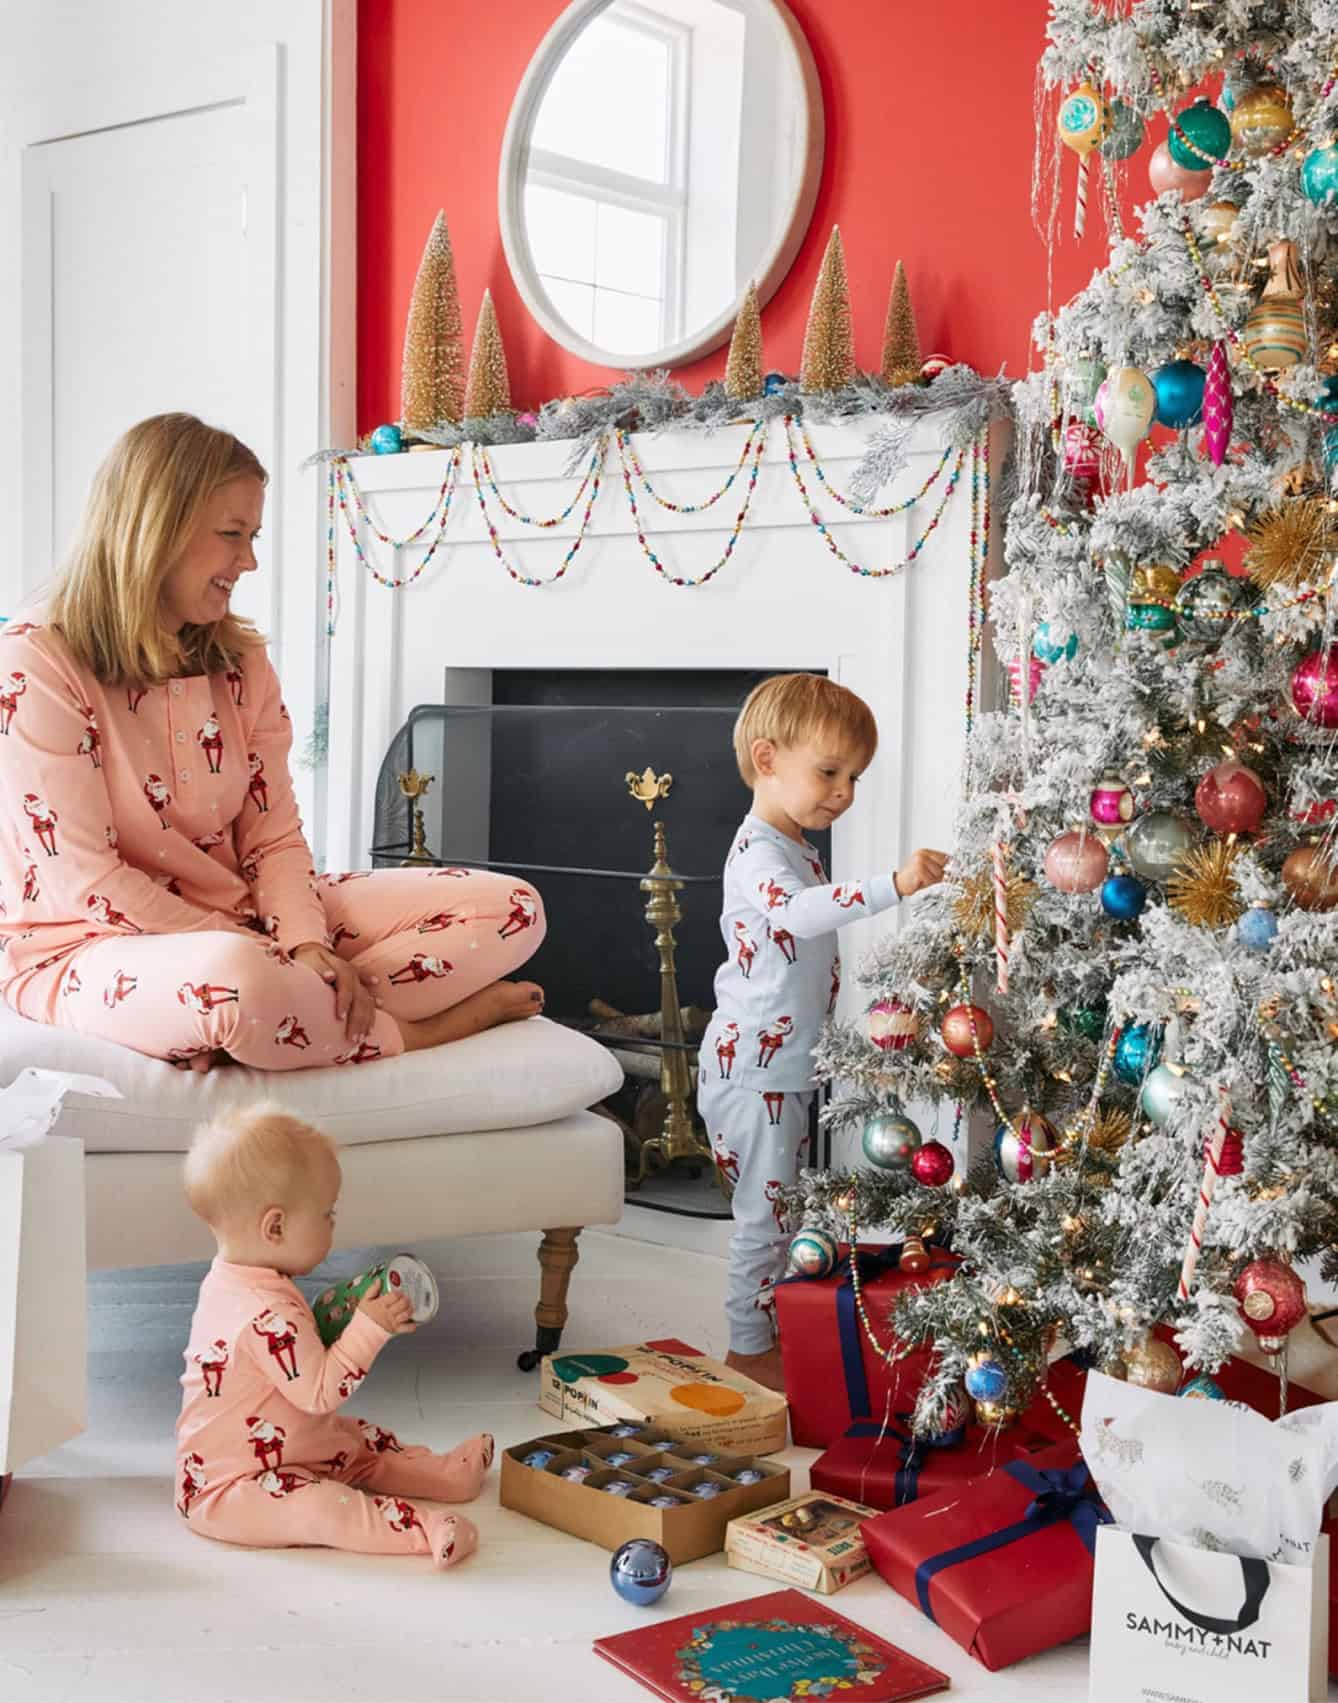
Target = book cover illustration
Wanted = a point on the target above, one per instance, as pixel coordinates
(778, 1648)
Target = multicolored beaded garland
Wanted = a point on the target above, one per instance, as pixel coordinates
(1298, 134)
(759, 446)
(479, 454)
(758, 426)
(342, 485)
(849, 502)
(496, 542)
(835, 548)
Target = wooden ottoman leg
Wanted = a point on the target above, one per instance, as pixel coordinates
(558, 1253)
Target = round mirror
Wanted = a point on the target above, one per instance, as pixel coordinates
(660, 156)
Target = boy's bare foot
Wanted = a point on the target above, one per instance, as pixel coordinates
(500, 1002)
(762, 1368)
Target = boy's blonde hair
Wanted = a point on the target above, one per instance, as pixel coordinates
(146, 501)
(791, 708)
(251, 1158)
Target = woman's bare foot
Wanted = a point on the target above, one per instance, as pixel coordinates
(762, 1368)
(501, 1002)
(203, 1063)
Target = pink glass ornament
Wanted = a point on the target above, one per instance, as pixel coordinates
(1082, 452)
(1219, 407)
(932, 1164)
(1035, 674)
(1164, 173)
(1076, 863)
(1231, 799)
(1112, 803)
(893, 1025)
(1315, 688)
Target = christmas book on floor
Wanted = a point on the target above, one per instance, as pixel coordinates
(777, 1647)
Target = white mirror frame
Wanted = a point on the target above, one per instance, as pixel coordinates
(511, 190)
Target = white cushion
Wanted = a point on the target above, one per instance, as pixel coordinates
(520, 1074)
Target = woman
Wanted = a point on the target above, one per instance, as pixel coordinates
(155, 884)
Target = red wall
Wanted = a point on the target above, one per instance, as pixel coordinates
(928, 158)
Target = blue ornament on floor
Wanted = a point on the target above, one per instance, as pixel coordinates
(387, 440)
(640, 1571)
(1123, 897)
(1257, 929)
(1136, 1052)
(1179, 387)
(1319, 175)
(1053, 644)
(985, 1378)
(774, 382)
(1202, 1389)
(813, 1253)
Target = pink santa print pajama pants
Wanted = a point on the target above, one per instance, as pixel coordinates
(432, 937)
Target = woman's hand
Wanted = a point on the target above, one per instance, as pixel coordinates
(354, 996)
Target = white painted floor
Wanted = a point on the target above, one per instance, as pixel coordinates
(107, 1597)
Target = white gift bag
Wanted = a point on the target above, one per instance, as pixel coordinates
(43, 1332)
(1170, 1621)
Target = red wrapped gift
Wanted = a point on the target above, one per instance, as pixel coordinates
(886, 1466)
(833, 1374)
(1004, 1564)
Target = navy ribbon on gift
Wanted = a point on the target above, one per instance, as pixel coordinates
(910, 1450)
(1059, 1495)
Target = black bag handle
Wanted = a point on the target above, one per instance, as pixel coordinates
(1257, 1580)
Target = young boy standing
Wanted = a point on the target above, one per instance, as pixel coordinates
(802, 743)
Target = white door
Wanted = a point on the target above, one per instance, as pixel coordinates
(184, 192)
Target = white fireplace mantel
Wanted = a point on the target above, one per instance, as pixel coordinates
(783, 601)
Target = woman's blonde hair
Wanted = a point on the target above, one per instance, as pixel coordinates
(146, 502)
(791, 708)
(251, 1158)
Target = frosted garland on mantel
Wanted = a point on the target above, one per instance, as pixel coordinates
(344, 491)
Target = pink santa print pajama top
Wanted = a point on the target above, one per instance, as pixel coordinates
(264, 1456)
(154, 877)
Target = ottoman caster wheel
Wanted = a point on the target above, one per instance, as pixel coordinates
(528, 1360)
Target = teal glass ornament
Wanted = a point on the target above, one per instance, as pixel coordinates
(1136, 1052)
(1123, 897)
(1163, 1087)
(1126, 133)
(1152, 618)
(1052, 644)
(1257, 929)
(1207, 128)
(1202, 1388)
(1089, 1021)
(387, 440)
(774, 382)
(814, 1253)
(1179, 387)
(1319, 175)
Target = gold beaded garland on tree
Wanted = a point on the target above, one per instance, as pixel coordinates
(828, 360)
(1202, 887)
(1292, 543)
(974, 905)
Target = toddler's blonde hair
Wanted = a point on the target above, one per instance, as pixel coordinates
(252, 1157)
(791, 708)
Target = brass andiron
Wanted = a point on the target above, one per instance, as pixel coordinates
(647, 786)
(414, 786)
(677, 1138)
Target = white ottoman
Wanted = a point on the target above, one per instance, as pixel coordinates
(490, 1133)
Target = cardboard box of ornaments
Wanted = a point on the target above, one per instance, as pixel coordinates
(574, 1480)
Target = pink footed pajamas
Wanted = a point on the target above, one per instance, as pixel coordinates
(154, 877)
(263, 1457)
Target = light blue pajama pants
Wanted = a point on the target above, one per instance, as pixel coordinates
(757, 1139)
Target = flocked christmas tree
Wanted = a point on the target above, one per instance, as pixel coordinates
(488, 390)
(432, 387)
(1136, 956)
(828, 358)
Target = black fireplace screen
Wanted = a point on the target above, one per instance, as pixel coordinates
(541, 790)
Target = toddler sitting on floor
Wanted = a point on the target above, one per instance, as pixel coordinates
(263, 1456)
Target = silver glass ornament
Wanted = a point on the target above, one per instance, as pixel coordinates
(1164, 1085)
(640, 1571)
(1156, 843)
(1206, 604)
(889, 1140)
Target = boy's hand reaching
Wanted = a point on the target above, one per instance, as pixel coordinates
(921, 869)
(394, 1313)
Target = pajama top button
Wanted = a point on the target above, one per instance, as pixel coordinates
(183, 774)
(181, 738)
(176, 691)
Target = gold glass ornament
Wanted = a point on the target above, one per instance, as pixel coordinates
(1154, 583)
(995, 1415)
(1275, 334)
(1153, 1365)
(1261, 119)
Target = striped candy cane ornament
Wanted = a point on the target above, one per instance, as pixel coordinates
(1223, 1156)
(1080, 206)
